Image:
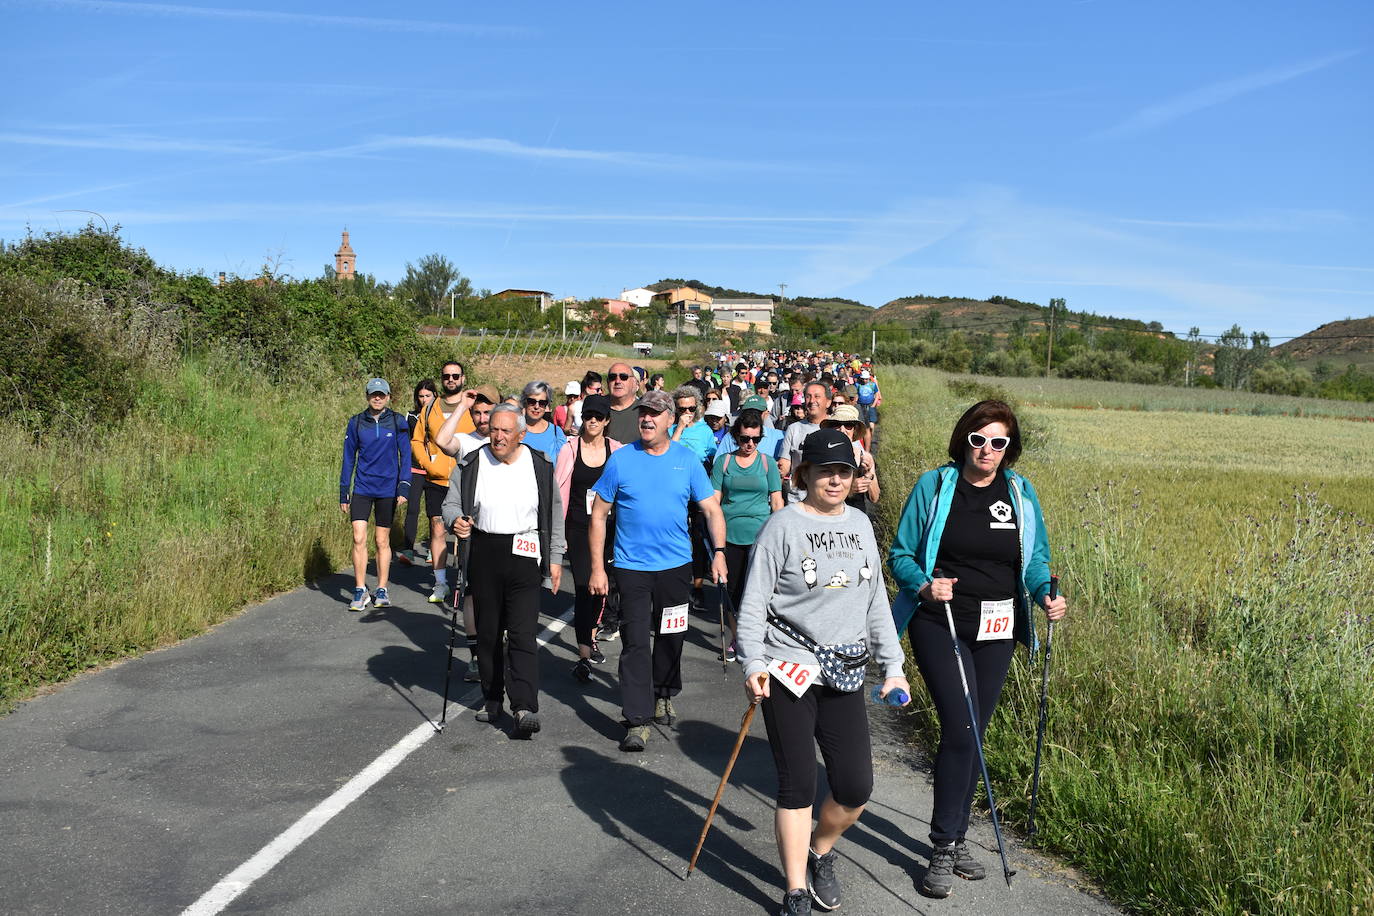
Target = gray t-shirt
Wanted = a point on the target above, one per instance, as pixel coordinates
(791, 450)
(623, 425)
(823, 574)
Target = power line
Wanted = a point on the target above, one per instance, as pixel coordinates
(1163, 332)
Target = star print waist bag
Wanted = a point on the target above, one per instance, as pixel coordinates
(842, 666)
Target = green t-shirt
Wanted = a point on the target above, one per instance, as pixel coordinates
(744, 495)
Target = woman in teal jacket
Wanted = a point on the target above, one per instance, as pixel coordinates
(979, 523)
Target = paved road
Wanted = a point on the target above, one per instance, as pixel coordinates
(138, 789)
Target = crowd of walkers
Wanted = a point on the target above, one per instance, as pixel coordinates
(756, 475)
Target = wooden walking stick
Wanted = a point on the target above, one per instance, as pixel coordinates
(720, 790)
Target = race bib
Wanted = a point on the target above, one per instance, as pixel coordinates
(525, 545)
(795, 676)
(591, 498)
(674, 620)
(995, 621)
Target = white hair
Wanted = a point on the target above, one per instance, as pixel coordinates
(511, 409)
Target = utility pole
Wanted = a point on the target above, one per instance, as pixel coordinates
(565, 320)
(450, 305)
(1049, 346)
(782, 293)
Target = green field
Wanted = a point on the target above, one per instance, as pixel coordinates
(1212, 735)
(1093, 395)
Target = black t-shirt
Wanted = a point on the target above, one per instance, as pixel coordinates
(979, 547)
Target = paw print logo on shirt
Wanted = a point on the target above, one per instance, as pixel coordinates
(1000, 511)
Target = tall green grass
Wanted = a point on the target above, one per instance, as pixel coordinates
(216, 491)
(1211, 743)
(1087, 394)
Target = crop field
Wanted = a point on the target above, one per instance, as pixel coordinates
(1211, 743)
(1085, 394)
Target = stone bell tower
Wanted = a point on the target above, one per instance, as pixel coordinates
(345, 262)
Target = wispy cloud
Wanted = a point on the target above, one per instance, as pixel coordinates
(1215, 94)
(285, 18)
(1268, 221)
(133, 143)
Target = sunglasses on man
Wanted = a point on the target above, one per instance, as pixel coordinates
(619, 376)
(449, 375)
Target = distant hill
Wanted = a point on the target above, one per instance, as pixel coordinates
(1336, 342)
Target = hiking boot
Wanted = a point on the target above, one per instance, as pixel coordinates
(439, 594)
(472, 675)
(636, 737)
(597, 658)
(939, 879)
(965, 865)
(821, 880)
(582, 671)
(664, 713)
(796, 903)
(380, 598)
(361, 599)
(608, 633)
(526, 723)
(489, 713)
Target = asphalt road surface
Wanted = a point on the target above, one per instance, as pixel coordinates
(284, 763)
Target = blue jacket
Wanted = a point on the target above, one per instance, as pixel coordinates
(379, 449)
(917, 542)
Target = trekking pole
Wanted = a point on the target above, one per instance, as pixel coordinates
(1044, 710)
(724, 778)
(724, 596)
(1007, 870)
(453, 633)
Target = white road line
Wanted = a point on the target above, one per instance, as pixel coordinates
(264, 860)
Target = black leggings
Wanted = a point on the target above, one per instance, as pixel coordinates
(417, 489)
(956, 762)
(737, 568)
(838, 723)
(586, 606)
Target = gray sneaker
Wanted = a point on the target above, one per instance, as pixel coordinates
(664, 713)
(821, 880)
(965, 865)
(939, 879)
(636, 737)
(796, 903)
(472, 675)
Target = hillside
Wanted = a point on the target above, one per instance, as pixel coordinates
(1337, 342)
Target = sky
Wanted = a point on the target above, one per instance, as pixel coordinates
(1196, 164)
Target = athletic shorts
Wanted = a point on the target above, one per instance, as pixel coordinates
(869, 412)
(435, 494)
(360, 508)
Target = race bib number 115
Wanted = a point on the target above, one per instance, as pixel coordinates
(674, 620)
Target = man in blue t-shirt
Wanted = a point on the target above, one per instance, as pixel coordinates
(650, 483)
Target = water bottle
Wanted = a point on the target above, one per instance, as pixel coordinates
(895, 697)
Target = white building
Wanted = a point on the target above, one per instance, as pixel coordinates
(639, 296)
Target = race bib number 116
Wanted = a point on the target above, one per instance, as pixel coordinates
(795, 676)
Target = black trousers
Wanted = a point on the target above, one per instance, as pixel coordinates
(837, 723)
(956, 762)
(586, 606)
(417, 489)
(737, 568)
(505, 600)
(650, 664)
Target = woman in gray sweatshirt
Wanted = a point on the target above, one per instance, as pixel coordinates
(815, 593)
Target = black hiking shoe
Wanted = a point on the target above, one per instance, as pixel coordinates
(636, 737)
(939, 879)
(965, 865)
(796, 903)
(582, 671)
(609, 633)
(821, 880)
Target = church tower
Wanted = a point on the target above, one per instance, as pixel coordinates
(345, 262)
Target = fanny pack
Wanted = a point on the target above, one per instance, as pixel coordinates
(842, 666)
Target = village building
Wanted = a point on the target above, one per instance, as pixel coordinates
(544, 297)
(739, 314)
(345, 261)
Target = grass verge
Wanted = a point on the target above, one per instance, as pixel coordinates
(1211, 740)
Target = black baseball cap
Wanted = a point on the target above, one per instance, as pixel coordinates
(827, 446)
(596, 405)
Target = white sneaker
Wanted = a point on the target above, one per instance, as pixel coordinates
(439, 594)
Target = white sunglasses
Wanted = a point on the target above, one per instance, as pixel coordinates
(998, 443)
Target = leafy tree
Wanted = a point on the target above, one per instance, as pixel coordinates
(1229, 359)
(428, 282)
(706, 326)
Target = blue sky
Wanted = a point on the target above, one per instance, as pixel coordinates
(1191, 163)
